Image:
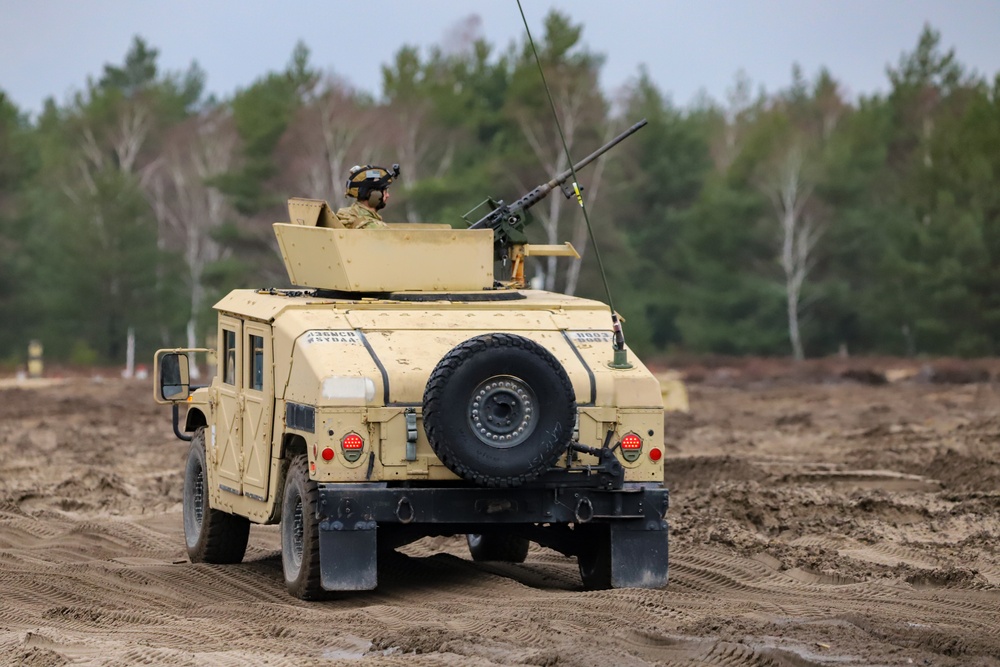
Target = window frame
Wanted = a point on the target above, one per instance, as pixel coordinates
(230, 348)
(256, 358)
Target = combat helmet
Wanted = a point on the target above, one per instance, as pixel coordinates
(366, 183)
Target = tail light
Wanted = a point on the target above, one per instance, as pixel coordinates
(655, 454)
(352, 444)
(631, 447)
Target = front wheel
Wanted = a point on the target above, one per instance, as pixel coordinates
(212, 536)
(300, 533)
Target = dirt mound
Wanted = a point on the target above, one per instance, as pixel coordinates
(757, 371)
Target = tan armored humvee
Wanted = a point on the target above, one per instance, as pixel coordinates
(396, 391)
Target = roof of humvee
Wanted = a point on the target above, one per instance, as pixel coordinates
(267, 304)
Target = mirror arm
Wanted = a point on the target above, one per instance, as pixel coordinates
(177, 430)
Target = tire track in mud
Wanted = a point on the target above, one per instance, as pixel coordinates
(893, 555)
(770, 564)
(59, 539)
(440, 587)
(740, 583)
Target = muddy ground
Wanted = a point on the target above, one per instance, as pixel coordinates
(814, 522)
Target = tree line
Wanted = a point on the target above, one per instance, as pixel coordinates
(792, 222)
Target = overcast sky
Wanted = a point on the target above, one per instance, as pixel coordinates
(50, 47)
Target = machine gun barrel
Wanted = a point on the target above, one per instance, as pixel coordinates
(492, 218)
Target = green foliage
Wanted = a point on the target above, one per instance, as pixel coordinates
(137, 73)
(82, 354)
(262, 113)
(941, 165)
(17, 165)
(902, 186)
(101, 259)
(727, 300)
(91, 265)
(665, 168)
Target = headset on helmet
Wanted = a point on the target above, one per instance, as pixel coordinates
(368, 182)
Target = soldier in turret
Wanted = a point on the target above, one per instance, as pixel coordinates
(369, 185)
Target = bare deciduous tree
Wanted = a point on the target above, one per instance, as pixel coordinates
(422, 148)
(790, 190)
(102, 148)
(187, 208)
(578, 109)
(331, 133)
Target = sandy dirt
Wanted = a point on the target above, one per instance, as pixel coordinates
(813, 522)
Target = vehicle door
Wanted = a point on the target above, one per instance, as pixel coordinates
(258, 408)
(226, 437)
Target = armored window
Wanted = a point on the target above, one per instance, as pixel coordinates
(229, 356)
(256, 374)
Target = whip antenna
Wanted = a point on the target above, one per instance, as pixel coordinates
(620, 354)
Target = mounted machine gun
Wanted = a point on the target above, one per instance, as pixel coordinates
(507, 220)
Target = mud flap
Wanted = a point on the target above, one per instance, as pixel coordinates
(348, 555)
(638, 557)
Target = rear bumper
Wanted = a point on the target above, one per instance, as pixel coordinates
(350, 515)
(348, 505)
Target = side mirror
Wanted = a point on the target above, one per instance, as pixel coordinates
(173, 378)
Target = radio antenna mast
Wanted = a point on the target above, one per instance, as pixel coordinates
(620, 359)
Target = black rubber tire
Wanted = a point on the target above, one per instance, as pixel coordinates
(594, 558)
(538, 399)
(300, 533)
(497, 547)
(211, 535)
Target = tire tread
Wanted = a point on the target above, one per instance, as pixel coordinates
(224, 536)
(433, 406)
(308, 584)
(499, 547)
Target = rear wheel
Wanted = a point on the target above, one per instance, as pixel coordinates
(212, 536)
(594, 558)
(497, 547)
(300, 533)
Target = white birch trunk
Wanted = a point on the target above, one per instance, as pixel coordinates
(187, 210)
(799, 235)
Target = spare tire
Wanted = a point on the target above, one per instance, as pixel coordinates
(499, 409)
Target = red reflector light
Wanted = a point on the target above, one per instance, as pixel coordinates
(352, 441)
(655, 454)
(631, 441)
(327, 454)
